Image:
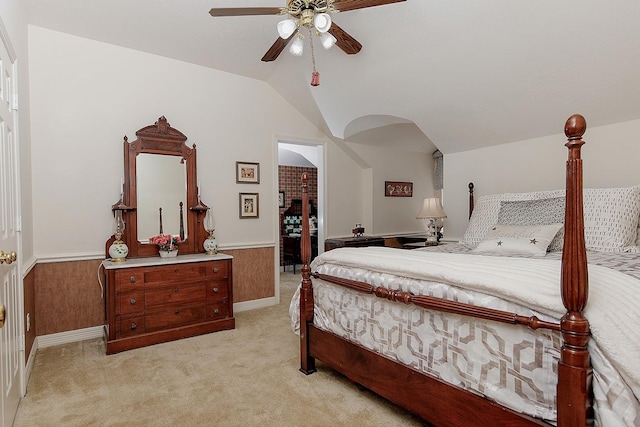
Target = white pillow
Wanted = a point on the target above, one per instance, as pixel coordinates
(610, 217)
(535, 212)
(521, 240)
(486, 210)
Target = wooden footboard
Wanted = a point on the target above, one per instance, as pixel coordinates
(432, 399)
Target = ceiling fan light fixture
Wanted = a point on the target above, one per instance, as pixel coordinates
(327, 40)
(322, 22)
(286, 27)
(297, 46)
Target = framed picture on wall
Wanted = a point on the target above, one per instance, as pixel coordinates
(249, 207)
(247, 173)
(281, 199)
(398, 189)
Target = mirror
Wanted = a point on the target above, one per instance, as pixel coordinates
(160, 172)
(161, 184)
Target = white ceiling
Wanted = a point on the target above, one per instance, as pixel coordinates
(468, 73)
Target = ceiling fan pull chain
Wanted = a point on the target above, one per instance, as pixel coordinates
(315, 75)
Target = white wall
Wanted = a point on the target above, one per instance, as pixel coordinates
(611, 159)
(87, 95)
(392, 215)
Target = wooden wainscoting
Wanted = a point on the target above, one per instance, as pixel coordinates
(253, 273)
(66, 296)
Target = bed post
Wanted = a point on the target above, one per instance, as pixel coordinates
(470, 199)
(307, 363)
(574, 370)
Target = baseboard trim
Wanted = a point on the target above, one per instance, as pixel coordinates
(69, 336)
(31, 360)
(253, 304)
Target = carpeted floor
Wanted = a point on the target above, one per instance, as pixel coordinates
(245, 377)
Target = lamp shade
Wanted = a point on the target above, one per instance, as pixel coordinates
(286, 28)
(431, 208)
(209, 221)
(297, 46)
(327, 40)
(322, 22)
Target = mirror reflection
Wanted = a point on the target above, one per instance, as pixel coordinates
(161, 182)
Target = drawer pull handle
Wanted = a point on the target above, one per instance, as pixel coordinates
(132, 279)
(132, 301)
(216, 290)
(216, 311)
(176, 290)
(133, 326)
(216, 269)
(176, 270)
(177, 312)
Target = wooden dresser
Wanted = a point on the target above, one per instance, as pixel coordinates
(352, 242)
(153, 300)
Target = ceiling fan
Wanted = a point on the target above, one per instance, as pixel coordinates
(312, 14)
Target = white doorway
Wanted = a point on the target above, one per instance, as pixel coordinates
(306, 155)
(11, 286)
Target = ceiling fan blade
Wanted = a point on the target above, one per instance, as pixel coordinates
(344, 41)
(244, 11)
(346, 5)
(276, 48)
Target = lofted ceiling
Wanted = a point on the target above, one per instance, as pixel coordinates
(466, 73)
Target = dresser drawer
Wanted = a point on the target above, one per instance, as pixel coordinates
(218, 311)
(129, 327)
(181, 272)
(173, 317)
(217, 291)
(218, 270)
(130, 303)
(129, 279)
(180, 293)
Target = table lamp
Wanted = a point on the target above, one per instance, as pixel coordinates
(431, 212)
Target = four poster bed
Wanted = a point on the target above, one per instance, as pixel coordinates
(479, 338)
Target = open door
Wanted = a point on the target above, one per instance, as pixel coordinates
(11, 287)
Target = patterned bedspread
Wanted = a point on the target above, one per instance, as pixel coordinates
(512, 365)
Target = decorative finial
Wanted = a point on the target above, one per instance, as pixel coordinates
(575, 127)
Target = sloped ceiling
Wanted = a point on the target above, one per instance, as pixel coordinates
(467, 73)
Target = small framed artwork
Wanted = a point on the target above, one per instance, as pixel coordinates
(281, 199)
(249, 205)
(247, 173)
(398, 189)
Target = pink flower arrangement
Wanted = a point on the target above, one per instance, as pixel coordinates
(166, 242)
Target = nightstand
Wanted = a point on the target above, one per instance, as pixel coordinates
(417, 245)
(353, 242)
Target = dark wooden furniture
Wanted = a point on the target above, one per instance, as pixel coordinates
(436, 401)
(352, 242)
(160, 138)
(291, 250)
(149, 299)
(153, 300)
(290, 243)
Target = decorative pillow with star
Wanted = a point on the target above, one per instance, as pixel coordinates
(518, 240)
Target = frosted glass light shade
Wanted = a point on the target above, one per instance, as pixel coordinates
(322, 22)
(209, 221)
(286, 28)
(297, 47)
(327, 40)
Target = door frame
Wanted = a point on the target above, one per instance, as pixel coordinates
(321, 151)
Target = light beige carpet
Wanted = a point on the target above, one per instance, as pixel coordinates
(245, 377)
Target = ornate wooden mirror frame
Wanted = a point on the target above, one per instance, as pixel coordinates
(160, 138)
